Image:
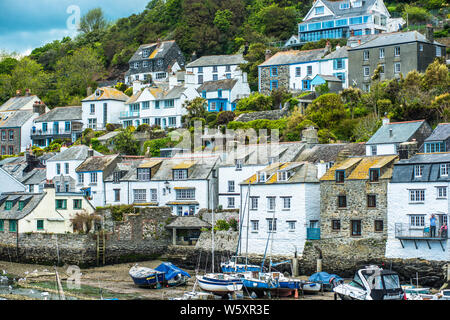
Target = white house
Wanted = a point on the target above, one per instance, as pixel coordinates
(102, 107)
(245, 161)
(419, 188)
(213, 68)
(45, 212)
(391, 134)
(282, 201)
(184, 184)
(91, 174)
(223, 95)
(162, 106)
(340, 19)
(61, 168)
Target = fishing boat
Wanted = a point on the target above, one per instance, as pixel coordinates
(147, 277)
(325, 280)
(174, 276)
(371, 283)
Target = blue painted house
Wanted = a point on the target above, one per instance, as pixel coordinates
(222, 95)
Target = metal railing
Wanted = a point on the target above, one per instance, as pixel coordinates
(129, 114)
(405, 230)
(313, 233)
(50, 131)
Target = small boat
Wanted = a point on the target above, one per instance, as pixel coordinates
(326, 280)
(219, 283)
(371, 283)
(232, 266)
(174, 276)
(147, 277)
(311, 287)
(269, 284)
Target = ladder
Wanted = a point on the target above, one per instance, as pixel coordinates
(101, 248)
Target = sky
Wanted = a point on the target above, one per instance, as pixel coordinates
(28, 24)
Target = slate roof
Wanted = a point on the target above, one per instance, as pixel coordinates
(330, 152)
(107, 94)
(209, 86)
(96, 163)
(188, 222)
(160, 93)
(17, 103)
(352, 11)
(217, 60)
(294, 56)
(61, 114)
(401, 132)
(440, 133)
(394, 38)
(157, 53)
(35, 176)
(357, 168)
(108, 136)
(79, 152)
(431, 162)
(341, 52)
(14, 119)
(302, 172)
(32, 201)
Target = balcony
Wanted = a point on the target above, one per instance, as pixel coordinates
(50, 132)
(129, 114)
(313, 233)
(405, 232)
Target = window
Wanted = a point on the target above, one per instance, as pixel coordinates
(338, 64)
(3, 135)
(8, 205)
(67, 126)
(291, 225)
(335, 225)
(371, 201)
(253, 203)
(66, 187)
(309, 70)
(92, 123)
(284, 175)
(418, 170)
(366, 55)
(272, 225)
(116, 195)
(381, 53)
(93, 177)
(172, 121)
(271, 203)
(273, 84)
(435, 147)
(366, 71)
(441, 192)
(80, 178)
(140, 195)
(3, 150)
(153, 195)
(12, 225)
(374, 150)
(379, 225)
(92, 108)
(185, 194)
(444, 169)
(381, 68)
(356, 228)
(438, 51)
(11, 135)
(417, 220)
(58, 187)
(227, 68)
(143, 174)
(228, 75)
(342, 201)
(374, 175)
(61, 204)
(2, 225)
(58, 168)
(180, 174)
(397, 67)
(215, 77)
(254, 225)
(261, 176)
(77, 204)
(21, 205)
(200, 69)
(273, 71)
(298, 72)
(397, 51)
(66, 168)
(219, 93)
(145, 64)
(231, 186)
(136, 65)
(10, 150)
(200, 79)
(344, 5)
(239, 164)
(420, 47)
(286, 203)
(231, 202)
(116, 177)
(169, 103)
(340, 176)
(145, 105)
(320, 10)
(416, 195)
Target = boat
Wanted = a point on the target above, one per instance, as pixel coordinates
(232, 266)
(326, 280)
(147, 277)
(219, 283)
(311, 287)
(174, 276)
(371, 283)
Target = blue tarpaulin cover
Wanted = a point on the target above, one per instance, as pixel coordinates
(170, 270)
(324, 277)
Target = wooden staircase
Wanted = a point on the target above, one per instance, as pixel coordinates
(101, 248)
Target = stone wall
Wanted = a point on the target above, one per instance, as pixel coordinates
(220, 215)
(282, 77)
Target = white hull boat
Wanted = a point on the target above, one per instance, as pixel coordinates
(219, 284)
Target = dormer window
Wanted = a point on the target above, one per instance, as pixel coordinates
(180, 174)
(284, 175)
(344, 6)
(320, 10)
(357, 4)
(21, 205)
(374, 175)
(272, 160)
(143, 174)
(340, 176)
(261, 176)
(444, 169)
(145, 53)
(418, 170)
(98, 92)
(8, 205)
(136, 65)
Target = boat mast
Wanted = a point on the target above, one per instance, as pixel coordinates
(212, 230)
(248, 218)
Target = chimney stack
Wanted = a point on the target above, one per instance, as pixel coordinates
(88, 91)
(385, 120)
(328, 47)
(18, 93)
(90, 151)
(391, 133)
(27, 92)
(407, 149)
(268, 54)
(430, 33)
(309, 135)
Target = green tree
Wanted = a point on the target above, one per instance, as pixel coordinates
(255, 102)
(125, 143)
(223, 19)
(94, 20)
(195, 108)
(326, 111)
